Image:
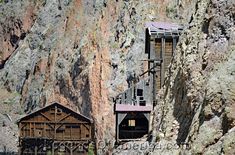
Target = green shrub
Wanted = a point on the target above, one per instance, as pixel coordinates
(91, 149)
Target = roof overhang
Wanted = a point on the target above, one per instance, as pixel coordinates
(51, 104)
(132, 108)
(163, 29)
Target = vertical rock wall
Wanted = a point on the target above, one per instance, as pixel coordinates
(196, 103)
(76, 52)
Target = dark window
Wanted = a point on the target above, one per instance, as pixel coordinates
(142, 103)
(147, 83)
(75, 126)
(72, 126)
(139, 92)
(60, 129)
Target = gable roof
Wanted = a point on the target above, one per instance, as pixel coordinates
(51, 105)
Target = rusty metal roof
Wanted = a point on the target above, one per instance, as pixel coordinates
(131, 108)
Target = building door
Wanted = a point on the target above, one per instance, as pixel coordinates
(133, 126)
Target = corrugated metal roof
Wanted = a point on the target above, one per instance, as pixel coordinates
(126, 108)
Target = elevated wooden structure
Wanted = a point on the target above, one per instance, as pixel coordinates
(133, 106)
(54, 129)
(160, 43)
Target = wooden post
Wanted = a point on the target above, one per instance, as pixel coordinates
(63, 135)
(152, 53)
(44, 131)
(117, 127)
(35, 150)
(147, 41)
(163, 61)
(80, 131)
(55, 122)
(154, 88)
(71, 150)
(174, 45)
(53, 149)
(89, 131)
(70, 132)
(30, 129)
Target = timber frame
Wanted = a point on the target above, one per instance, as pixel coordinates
(55, 129)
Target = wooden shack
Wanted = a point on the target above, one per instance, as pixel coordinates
(54, 129)
(134, 105)
(161, 39)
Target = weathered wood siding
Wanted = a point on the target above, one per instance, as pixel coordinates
(55, 123)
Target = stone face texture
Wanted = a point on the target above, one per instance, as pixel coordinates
(76, 52)
(196, 105)
(81, 53)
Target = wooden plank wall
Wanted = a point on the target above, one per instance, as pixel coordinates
(60, 126)
(158, 55)
(167, 57)
(168, 52)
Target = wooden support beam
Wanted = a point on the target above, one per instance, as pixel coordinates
(45, 116)
(117, 128)
(80, 132)
(22, 125)
(76, 146)
(52, 122)
(63, 135)
(55, 121)
(35, 150)
(163, 61)
(174, 45)
(147, 41)
(59, 126)
(52, 126)
(149, 70)
(71, 132)
(85, 126)
(153, 60)
(71, 150)
(53, 148)
(30, 132)
(64, 117)
(89, 132)
(154, 87)
(34, 128)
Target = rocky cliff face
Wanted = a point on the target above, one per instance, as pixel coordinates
(196, 105)
(81, 53)
(76, 52)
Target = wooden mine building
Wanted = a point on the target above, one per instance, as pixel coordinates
(54, 129)
(133, 106)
